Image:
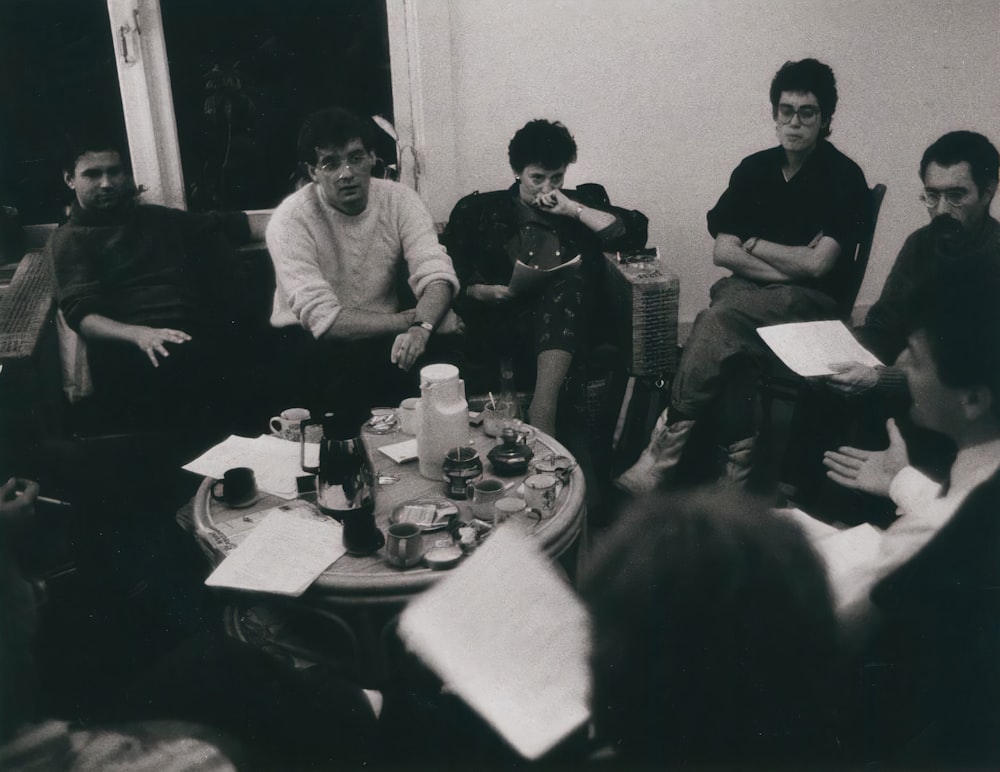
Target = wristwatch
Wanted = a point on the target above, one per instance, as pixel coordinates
(426, 325)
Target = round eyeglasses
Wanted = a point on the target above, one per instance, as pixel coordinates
(807, 114)
(359, 159)
(954, 197)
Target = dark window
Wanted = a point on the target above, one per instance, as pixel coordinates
(57, 74)
(244, 73)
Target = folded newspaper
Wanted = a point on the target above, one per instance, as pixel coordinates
(527, 278)
(810, 348)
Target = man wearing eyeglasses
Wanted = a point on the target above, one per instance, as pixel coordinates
(959, 172)
(787, 228)
(340, 245)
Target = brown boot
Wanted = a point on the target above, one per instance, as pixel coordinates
(655, 465)
(738, 461)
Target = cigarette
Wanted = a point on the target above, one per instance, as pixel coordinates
(47, 500)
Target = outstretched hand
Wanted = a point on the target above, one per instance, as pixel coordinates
(153, 341)
(871, 471)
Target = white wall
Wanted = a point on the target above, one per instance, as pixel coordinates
(666, 96)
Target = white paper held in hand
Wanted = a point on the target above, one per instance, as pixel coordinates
(507, 634)
(809, 348)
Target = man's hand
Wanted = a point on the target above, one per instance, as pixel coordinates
(555, 202)
(867, 470)
(408, 346)
(17, 499)
(152, 341)
(852, 377)
(451, 324)
(489, 293)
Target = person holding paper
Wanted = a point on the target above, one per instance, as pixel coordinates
(787, 228)
(933, 611)
(959, 172)
(537, 223)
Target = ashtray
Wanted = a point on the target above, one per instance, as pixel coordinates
(428, 514)
(383, 421)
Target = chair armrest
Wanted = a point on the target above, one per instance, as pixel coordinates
(27, 307)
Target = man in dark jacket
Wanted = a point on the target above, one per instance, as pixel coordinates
(155, 292)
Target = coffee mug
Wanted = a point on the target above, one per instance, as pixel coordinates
(404, 545)
(286, 425)
(506, 508)
(540, 493)
(407, 414)
(485, 492)
(239, 487)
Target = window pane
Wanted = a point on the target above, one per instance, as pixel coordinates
(57, 74)
(244, 74)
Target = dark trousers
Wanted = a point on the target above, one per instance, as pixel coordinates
(725, 336)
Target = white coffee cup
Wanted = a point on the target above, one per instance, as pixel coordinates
(540, 493)
(407, 414)
(286, 425)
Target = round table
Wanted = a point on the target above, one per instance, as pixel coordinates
(359, 598)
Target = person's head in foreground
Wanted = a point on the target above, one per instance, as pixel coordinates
(539, 153)
(714, 635)
(952, 360)
(959, 173)
(803, 101)
(337, 148)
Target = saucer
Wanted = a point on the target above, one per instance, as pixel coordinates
(243, 504)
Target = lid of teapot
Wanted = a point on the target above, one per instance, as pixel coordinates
(340, 426)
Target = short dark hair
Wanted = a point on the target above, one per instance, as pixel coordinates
(546, 143)
(960, 317)
(85, 141)
(807, 75)
(969, 146)
(714, 637)
(333, 127)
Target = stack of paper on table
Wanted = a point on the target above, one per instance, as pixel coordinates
(275, 461)
(507, 634)
(809, 348)
(283, 554)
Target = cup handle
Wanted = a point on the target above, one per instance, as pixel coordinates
(215, 495)
(379, 539)
(276, 425)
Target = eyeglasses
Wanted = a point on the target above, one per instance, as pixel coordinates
(952, 197)
(359, 159)
(807, 114)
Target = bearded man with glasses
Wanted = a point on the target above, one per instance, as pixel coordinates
(787, 227)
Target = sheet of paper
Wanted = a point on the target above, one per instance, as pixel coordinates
(809, 348)
(283, 554)
(507, 634)
(527, 278)
(401, 452)
(275, 461)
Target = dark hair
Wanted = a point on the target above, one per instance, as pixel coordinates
(807, 75)
(969, 146)
(546, 143)
(961, 319)
(714, 635)
(332, 127)
(91, 141)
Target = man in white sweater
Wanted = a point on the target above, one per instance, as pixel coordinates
(340, 246)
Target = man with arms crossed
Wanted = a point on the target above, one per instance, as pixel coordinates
(339, 245)
(787, 227)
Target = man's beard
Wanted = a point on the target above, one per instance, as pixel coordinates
(946, 229)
